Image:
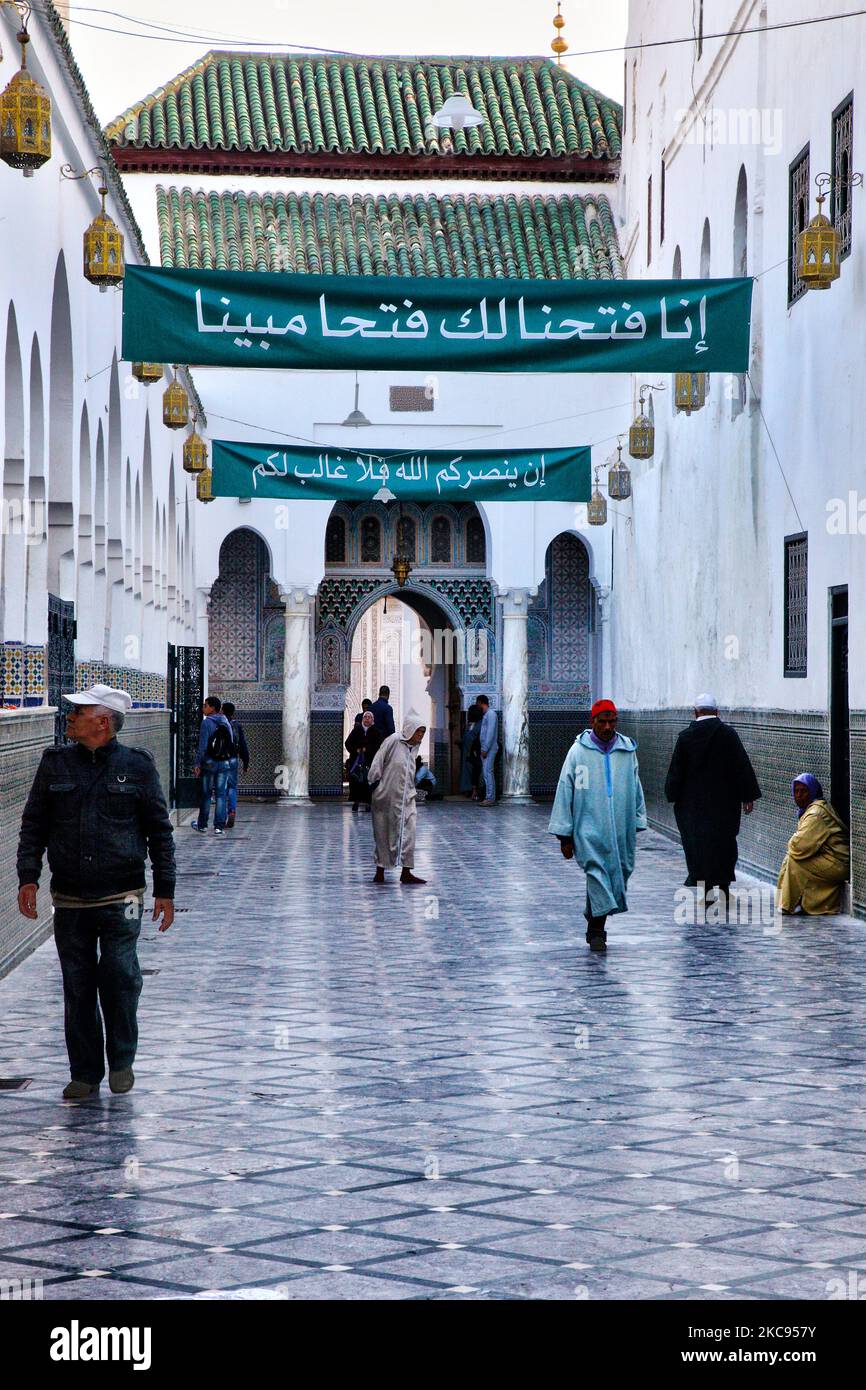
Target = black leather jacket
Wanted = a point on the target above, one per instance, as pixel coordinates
(98, 813)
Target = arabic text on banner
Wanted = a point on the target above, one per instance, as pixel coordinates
(515, 475)
(331, 322)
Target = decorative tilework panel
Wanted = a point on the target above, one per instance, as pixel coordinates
(327, 753)
(558, 632)
(22, 674)
(857, 725)
(235, 617)
(147, 688)
(264, 734)
(551, 734)
(780, 743)
(23, 738)
(149, 729)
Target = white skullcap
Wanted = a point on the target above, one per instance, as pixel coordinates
(706, 701)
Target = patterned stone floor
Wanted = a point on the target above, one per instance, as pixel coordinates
(351, 1092)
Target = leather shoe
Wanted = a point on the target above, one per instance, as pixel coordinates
(79, 1090)
(121, 1081)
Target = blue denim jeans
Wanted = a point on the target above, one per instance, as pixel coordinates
(232, 791)
(101, 981)
(489, 775)
(214, 782)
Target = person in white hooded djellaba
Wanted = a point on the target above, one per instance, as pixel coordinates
(392, 777)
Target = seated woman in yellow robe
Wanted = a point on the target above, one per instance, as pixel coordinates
(818, 858)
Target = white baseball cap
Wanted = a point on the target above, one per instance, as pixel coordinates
(105, 695)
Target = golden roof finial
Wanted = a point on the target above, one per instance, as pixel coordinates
(558, 44)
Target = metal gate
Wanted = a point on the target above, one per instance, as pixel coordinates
(60, 676)
(185, 696)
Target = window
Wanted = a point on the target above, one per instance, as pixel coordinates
(409, 398)
(796, 603)
(662, 203)
(798, 218)
(335, 541)
(406, 537)
(649, 219)
(740, 268)
(440, 541)
(705, 250)
(476, 548)
(840, 191)
(371, 541)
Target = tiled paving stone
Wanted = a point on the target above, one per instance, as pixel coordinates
(367, 1100)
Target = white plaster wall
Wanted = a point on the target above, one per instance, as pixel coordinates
(700, 549)
(41, 220)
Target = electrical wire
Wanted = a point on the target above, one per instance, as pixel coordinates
(757, 401)
(174, 35)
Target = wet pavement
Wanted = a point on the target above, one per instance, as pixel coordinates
(345, 1091)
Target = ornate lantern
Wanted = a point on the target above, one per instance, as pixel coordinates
(401, 567)
(175, 405)
(103, 249)
(642, 435)
(819, 247)
(194, 451)
(204, 484)
(619, 479)
(690, 391)
(146, 372)
(596, 507)
(25, 119)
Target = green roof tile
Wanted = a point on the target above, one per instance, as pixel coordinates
(285, 104)
(540, 236)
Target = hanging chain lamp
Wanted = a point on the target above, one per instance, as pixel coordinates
(25, 117)
(103, 240)
(690, 391)
(619, 479)
(204, 485)
(642, 435)
(175, 405)
(401, 565)
(558, 44)
(596, 507)
(147, 372)
(194, 451)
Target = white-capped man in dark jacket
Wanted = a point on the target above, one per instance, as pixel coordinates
(98, 808)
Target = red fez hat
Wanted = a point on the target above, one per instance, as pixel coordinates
(603, 707)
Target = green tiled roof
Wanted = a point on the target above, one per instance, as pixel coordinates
(283, 103)
(549, 237)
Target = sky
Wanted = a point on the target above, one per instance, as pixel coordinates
(120, 69)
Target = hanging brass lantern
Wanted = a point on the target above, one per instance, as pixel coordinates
(642, 435)
(103, 249)
(690, 391)
(194, 452)
(819, 248)
(147, 372)
(25, 119)
(204, 484)
(596, 507)
(175, 405)
(619, 479)
(401, 568)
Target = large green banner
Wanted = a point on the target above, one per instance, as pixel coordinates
(327, 474)
(215, 318)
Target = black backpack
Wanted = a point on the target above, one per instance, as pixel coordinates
(221, 744)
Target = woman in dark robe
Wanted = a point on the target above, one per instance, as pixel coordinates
(710, 780)
(363, 744)
(470, 771)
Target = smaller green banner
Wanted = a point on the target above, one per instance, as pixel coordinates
(385, 475)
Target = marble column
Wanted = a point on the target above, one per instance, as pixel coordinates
(293, 778)
(515, 695)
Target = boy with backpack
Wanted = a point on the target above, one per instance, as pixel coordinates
(216, 747)
(241, 753)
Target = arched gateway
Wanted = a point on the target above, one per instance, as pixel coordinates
(448, 590)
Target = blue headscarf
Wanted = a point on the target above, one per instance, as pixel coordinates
(807, 780)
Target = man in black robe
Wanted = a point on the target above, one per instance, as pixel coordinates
(710, 778)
